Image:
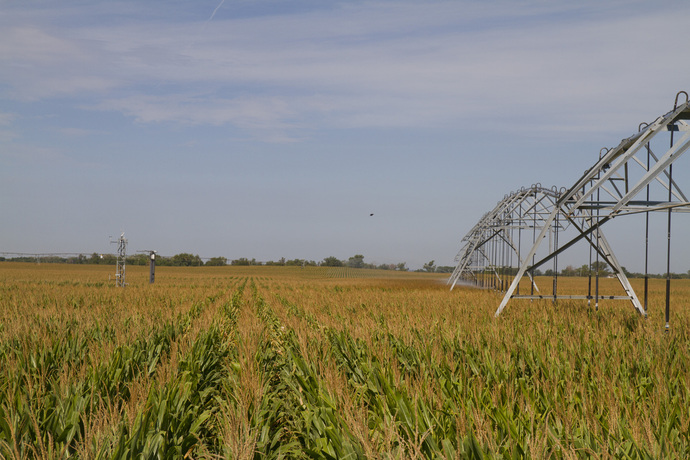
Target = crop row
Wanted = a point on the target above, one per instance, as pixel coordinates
(446, 396)
(419, 429)
(182, 418)
(299, 417)
(43, 413)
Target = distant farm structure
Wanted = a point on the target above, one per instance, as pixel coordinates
(120, 279)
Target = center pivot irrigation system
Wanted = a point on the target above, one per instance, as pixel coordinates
(636, 177)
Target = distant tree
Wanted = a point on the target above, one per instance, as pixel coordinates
(569, 271)
(186, 260)
(601, 267)
(108, 259)
(80, 259)
(162, 261)
(402, 266)
(294, 263)
(356, 261)
(138, 259)
(430, 267)
(280, 262)
(274, 263)
(217, 262)
(241, 261)
(331, 262)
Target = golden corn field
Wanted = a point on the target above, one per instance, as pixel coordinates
(283, 362)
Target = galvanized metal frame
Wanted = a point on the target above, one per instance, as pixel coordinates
(618, 184)
(120, 269)
(527, 208)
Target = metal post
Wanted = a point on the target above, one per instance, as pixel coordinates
(668, 250)
(534, 239)
(646, 231)
(503, 256)
(555, 260)
(589, 268)
(646, 245)
(152, 275)
(493, 263)
(152, 264)
(668, 236)
(519, 251)
(596, 288)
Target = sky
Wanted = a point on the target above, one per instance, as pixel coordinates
(269, 129)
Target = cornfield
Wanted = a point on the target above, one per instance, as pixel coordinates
(288, 362)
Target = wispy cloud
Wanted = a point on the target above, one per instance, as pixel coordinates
(7, 134)
(78, 132)
(371, 64)
(37, 155)
(266, 118)
(6, 118)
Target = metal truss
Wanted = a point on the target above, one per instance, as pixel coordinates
(120, 280)
(494, 242)
(634, 177)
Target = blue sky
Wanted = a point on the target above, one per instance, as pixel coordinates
(272, 129)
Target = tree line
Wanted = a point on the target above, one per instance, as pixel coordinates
(357, 261)
(193, 260)
(601, 269)
(178, 260)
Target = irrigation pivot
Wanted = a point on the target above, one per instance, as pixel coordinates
(632, 178)
(495, 241)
